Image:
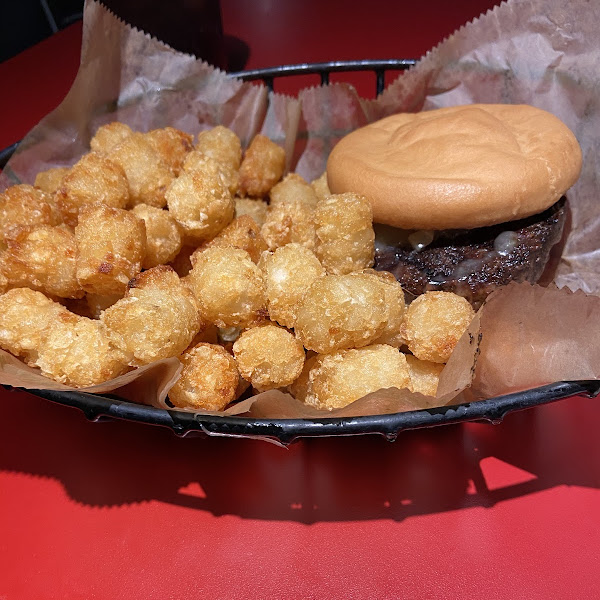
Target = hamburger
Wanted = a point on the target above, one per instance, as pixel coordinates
(468, 197)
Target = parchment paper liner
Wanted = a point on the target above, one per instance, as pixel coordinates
(540, 53)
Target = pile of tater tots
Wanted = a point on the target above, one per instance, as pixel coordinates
(153, 246)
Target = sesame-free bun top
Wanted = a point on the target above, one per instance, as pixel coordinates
(458, 168)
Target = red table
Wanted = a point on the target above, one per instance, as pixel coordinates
(122, 510)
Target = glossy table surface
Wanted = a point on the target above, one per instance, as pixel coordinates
(124, 510)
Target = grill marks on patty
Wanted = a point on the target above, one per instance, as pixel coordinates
(474, 262)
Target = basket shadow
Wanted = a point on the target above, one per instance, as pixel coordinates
(423, 472)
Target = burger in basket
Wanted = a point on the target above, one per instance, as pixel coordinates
(477, 192)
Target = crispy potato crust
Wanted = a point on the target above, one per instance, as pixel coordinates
(209, 379)
(262, 167)
(94, 178)
(341, 311)
(340, 378)
(25, 206)
(229, 287)
(345, 240)
(201, 202)
(268, 357)
(289, 272)
(78, 352)
(157, 318)
(434, 323)
(112, 245)
(44, 259)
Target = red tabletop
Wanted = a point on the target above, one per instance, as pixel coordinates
(124, 510)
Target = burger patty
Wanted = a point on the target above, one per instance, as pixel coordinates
(473, 262)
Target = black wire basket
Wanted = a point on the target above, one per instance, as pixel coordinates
(97, 408)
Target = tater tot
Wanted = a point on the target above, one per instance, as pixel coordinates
(341, 311)
(78, 352)
(434, 323)
(147, 173)
(209, 379)
(289, 222)
(163, 237)
(196, 160)
(3, 283)
(293, 187)
(25, 206)
(257, 209)
(340, 378)
(262, 167)
(345, 240)
(172, 145)
(50, 180)
(157, 318)
(268, 357)
(221, 144)
(109, 136)
(94, 178)
(241, 233)
(392, 334)
(201, 202)
(229, 287)
(321, 187)
(424, 375)
(289, 272)
(111, 245)
(44, 259)
(24, 315)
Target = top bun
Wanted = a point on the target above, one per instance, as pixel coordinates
(458, 168)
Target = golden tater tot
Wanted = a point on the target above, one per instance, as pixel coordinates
(289, 222)
(201, 202)
(209, 379)
(3, 283)
(341, 311)
(25, 206)
(196, 160)
(289, 272)
(241, 233)
(24, 315)
(293, 187)
(321, 187)
(77, 351)
(340, 378)
(44, 259)
(268, 357)
(434, 323)
(262, 167)
(97, 303)
(163, 237)
(392, 334)
(157, 318)
(229, 287)
(50, 180)
(345, 240)
(222, 145)
(111, 245)
(147, 173)
(424, 375)
(109, 136)
(257, 209)
(173, 146)
(94, 178)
